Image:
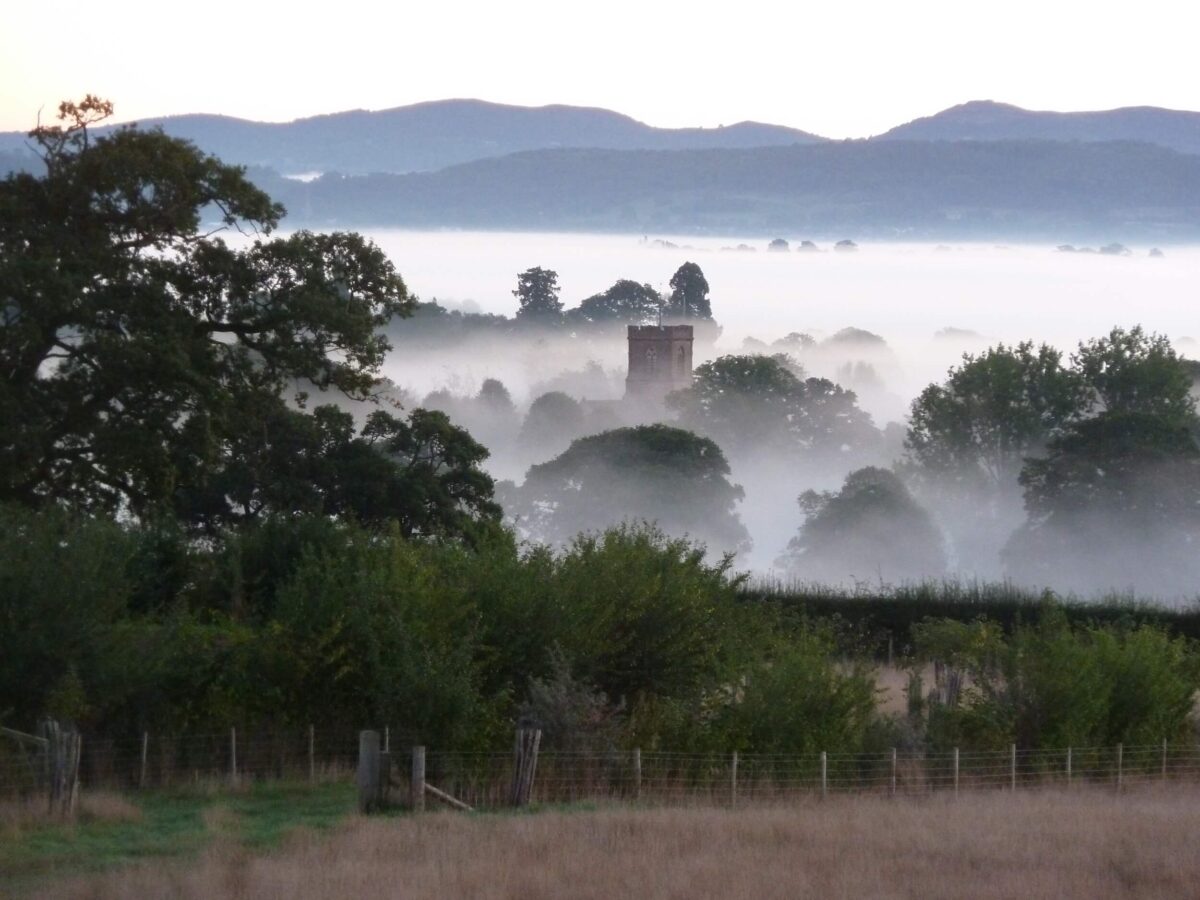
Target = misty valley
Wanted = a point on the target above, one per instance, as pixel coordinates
(898, 414)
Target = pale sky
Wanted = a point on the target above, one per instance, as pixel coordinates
(840, 69)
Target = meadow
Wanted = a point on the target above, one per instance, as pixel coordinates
(1085, 844)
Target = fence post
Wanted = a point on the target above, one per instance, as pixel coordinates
(367, 777)
(1120, 761)
(1068, 767)
(893, 771)
(312, 755)
(1164, 760)
(387, 739)
(145, 751)
(233, 770)
(955, 771)
(525, 764)
(1013, 766)
(637, 773)
(733, 779)
(416, 790)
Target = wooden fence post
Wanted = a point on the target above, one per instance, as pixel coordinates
(824, 775)
(733, 767)
(387, 739)
(233, 769)
(145, 753)
(637, 773)
(525, 754)
(1164, 760)
(955, 771)
(416, 785)
(62, 748)
(894, 765)
(1069, 767)
(368, 771)
(312, 755)
(1120, 763)
(1012, 769)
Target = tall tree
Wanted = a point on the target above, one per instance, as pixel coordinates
(144, 361)
(1115, 503)
(537, 294)
(992, 411)
(689, 294)
(650, 472)
(871, 528)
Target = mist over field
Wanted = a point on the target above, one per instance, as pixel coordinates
(884, 321)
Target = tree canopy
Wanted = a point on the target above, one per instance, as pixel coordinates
(689, 294)
(649, 472)
(872, 528)
(992, 411)
(756, 403)
(144, 361)
(1115, 495)
(537, 295)
(626, 301)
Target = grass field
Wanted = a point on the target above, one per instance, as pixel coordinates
(1084, 844)
(113, 830)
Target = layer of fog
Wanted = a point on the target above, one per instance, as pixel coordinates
(929, 304)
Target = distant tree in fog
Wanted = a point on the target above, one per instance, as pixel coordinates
(689, 294)
(763, 404)
(1114, 503)
(537, 294)
(871, 529)
(494, 397)
(650, 472)
(626, 302)
(992, 411)
(553, 421)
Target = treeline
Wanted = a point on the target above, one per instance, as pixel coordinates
(622, 639)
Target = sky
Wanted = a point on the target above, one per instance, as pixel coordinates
(839, 69)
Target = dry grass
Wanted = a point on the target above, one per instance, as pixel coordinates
(1091, 845)
(94, 806)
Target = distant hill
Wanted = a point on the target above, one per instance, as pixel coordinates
(985, 120)
(429, 136)
(1058, 191)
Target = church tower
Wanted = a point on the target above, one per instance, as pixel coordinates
(660, 360)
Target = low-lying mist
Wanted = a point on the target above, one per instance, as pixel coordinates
(883, 323)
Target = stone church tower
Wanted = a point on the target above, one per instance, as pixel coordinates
(660, 360)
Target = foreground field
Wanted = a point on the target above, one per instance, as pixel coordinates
(1038, 844)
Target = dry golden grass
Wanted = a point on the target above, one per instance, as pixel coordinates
(94, 806)
(1085, 844)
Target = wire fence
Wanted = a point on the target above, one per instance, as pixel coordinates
(483, 780)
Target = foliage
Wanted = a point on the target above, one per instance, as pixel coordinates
(553, 421)
(689, 294)
(993, 410)
(651, 472)
(1117, 493)
(798, 700)
(132, 342)
(1052, 685)
(1135, 372)
(762, 403)
(572, 715)
(537, 294)
(626, 301)
(872, 527)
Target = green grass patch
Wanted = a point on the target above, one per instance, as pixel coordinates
(175, 823)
